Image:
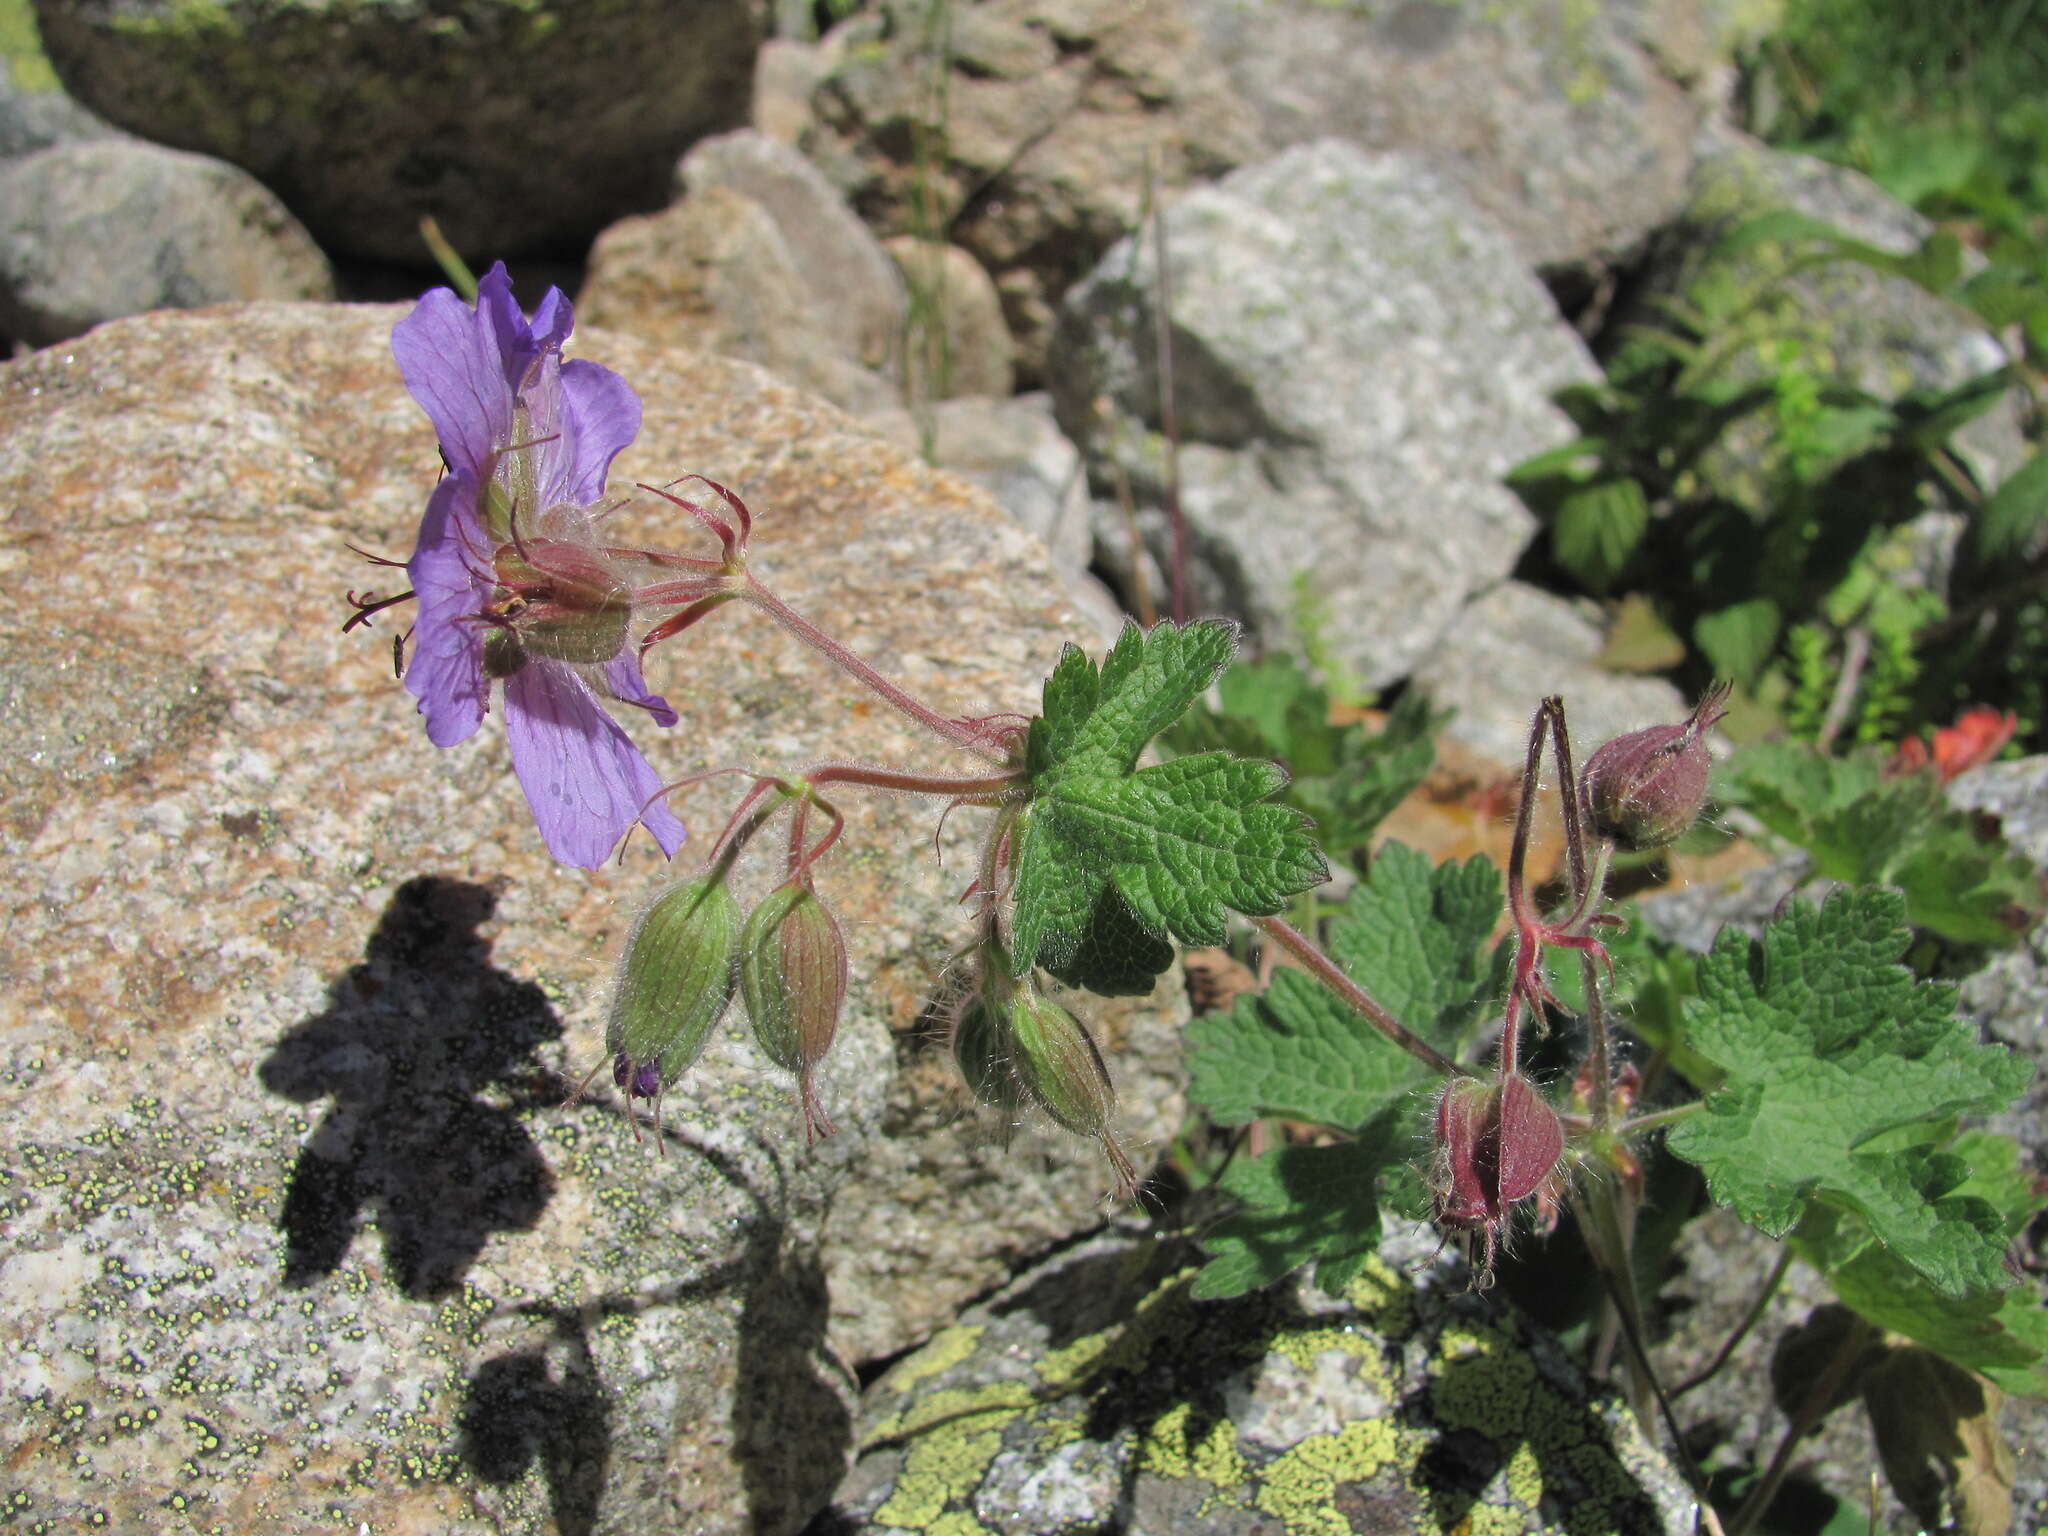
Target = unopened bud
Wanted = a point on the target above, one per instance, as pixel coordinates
(1646, 789)
(793, 980)
(674, 982)
(1497, 1144)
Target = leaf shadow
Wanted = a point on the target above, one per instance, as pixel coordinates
(410, 1043)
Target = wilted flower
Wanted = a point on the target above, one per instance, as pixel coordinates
(1497, 1144)
(1646, 789)
(511, 583)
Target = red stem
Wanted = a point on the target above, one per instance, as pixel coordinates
(958, 732)
(1326, 970)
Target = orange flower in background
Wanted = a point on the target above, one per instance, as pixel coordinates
(1977, 737)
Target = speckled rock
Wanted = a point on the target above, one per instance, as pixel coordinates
(1013, 449)
(522, 126)
(959, 342)
(715, 271)
(298, 1235)
(93, 230)
(853, 284)
(1096, 1394)
(1515, 644)
(1041, 133)
(1546, 113)
(1358, 356)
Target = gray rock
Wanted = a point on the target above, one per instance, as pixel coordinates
(716, 272)
(1014, 450)
(1358, 356)
(34, 111)
(786, 71)
(854, 285)
(1881, 334)
(958, 342)
(1546, 114)
(521, 128)
(1514, 645)
(1095, 1393)
(98, 229)
(299, 1234)
(1041, 138)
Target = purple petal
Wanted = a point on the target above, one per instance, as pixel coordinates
(583, 777)
(622, 675)
(600, 415)
(500, 319)
(553, 321)
(455, 369)
(446, 673)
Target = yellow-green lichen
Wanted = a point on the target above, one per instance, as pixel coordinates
(1299, 1487)
(1172, 1448)
(1483, 1382)
(1123, 1347)
(946, 1350)
(951, 1438)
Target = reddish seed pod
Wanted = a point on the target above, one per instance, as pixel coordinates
(1645, 789)
(793, 982)
(1497, 1144)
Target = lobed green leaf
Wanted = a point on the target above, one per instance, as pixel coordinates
(1181, 842)
(1829, 1044)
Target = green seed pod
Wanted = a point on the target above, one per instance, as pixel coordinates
(1055, 1062)
(982, 1050)
(793, 981)
(676, 979)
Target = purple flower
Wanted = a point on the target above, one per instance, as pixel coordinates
(512, 582)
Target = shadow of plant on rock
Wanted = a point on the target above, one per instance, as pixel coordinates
(410, 1041)
(547, 1403)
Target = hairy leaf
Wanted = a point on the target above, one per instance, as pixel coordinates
(1302, 1204)
(1829, 1044)
(1181, 841)
(1415, 938)
(1959, 879)
(2002, 1332)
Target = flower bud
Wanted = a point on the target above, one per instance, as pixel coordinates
(793, 980)
(674, 982)
(1496, 1145)
(1645, 789)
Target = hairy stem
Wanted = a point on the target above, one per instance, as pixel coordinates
(954, 786)
(1621, 1287)
(958, 732)
(1325, 970)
